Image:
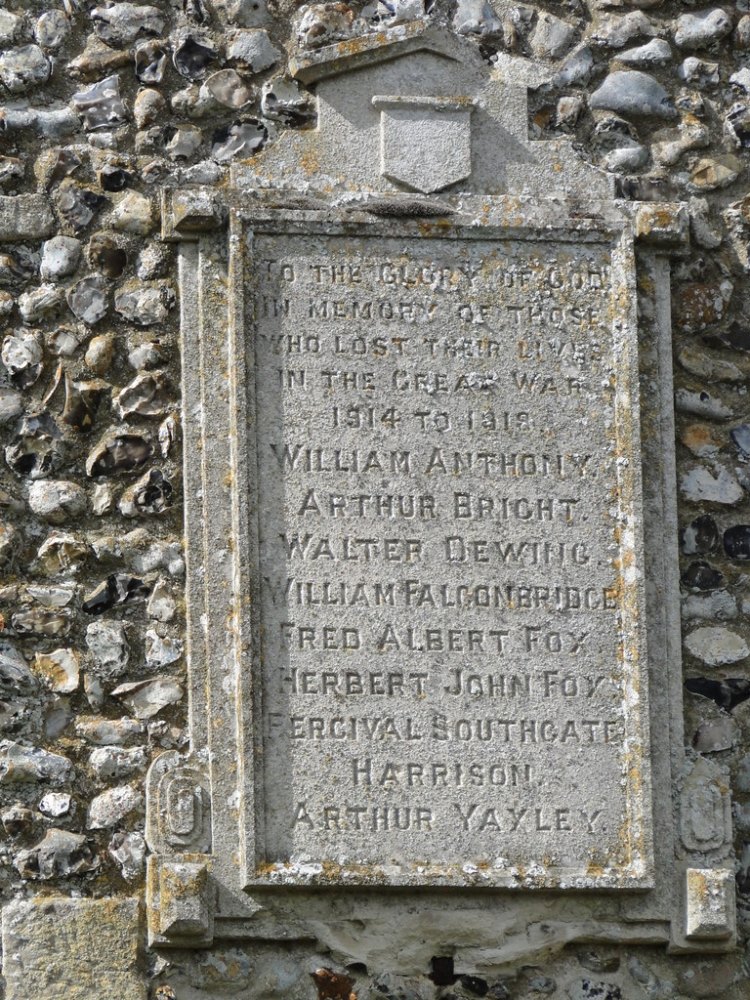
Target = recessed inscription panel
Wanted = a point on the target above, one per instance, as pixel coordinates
(450, 616)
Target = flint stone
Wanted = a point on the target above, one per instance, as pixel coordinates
(476, 17)
(109, 645)
(144, 304)
(716, 646)
(110, 807)
(61, 553)
(134, 214)
(56, 947)
(55, 804)
(552, 37)
(253, 49)
(40, 302)
(59, 855)
(630, 92)
(59, 670)
(122, 23)
(113, 762)
(57, 500)
(60, 257)
(145, 699)
(10, 27)
(700, 483)
(52, 29)
(616, 32)
(101, 105)
(654, 53)
(108, 732)
(20, 764)
(696, 31)
(129, 851)
(24, 68)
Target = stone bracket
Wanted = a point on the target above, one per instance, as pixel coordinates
(710, 904)
(181, 901)
(189, 213)
(660, 224)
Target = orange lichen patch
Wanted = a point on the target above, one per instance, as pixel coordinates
(333, 985)
(700, 304)
(702, 439)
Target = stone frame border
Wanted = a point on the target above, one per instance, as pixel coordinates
(691, 907)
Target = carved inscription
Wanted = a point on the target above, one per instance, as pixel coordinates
(445, 666)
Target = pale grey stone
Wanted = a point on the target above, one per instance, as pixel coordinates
(697, 31)
(626, 159)
(576, 69)
(108, 732)
(108, 808)
(108, 643)
(720, 605)
(53, 122)
(697, 71)
(100, 105)
(161, 651)
(241, 139)
(57, 500)
(282, 100)
(114, 762)
(20, 764)
(144, 304)
(253, 48)
(716, 646)
(615, 32)
(55, 804)
(320, 24)
(59, 670)
(147, 395)
(24, 68)
(9, 539)
(129, 851)
(715, 735)
(15, 675)
(22, 355)
(702, 404)
(657, 52)
(247, 13)
(184, 142)
(52, 29)
(717, 486)
(225, 88)
(161, 604)
(552, 37)
(89, 299)
(134, 213)
(122, 23)
(60, 257)
(60, 854)
(630, 92)
(475, 17)
(10, 27)
(741, 79)
(38, 303)
(145, 699)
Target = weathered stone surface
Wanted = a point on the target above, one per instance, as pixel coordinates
(70, 948)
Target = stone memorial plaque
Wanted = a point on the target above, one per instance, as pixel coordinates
(449, 559)
(433, 615)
